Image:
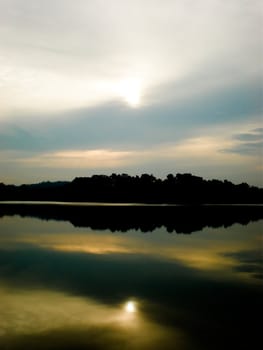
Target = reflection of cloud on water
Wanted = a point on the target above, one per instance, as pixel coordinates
(178, 283)
(37, 311)
(250, 262)
(45, 316)
(209, 251)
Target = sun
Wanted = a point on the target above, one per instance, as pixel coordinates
(131, 90)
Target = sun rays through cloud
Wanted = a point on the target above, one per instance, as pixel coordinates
(98, 84)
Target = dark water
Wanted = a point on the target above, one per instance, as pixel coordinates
(66, 287)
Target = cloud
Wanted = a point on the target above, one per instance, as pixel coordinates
(248, 144)
(192, 151)
(247, 148)
(206, 151)
(253, 135)
(14, 137)
(59, 55)
(116, 125)
(75, 159)
(61, 66)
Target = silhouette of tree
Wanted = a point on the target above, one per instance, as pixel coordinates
(181, 188)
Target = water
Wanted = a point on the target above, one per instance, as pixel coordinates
(64, 287)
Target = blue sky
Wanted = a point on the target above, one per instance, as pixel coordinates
(159, 86)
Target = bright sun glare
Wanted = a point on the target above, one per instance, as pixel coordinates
(130, 307)
(130, 91)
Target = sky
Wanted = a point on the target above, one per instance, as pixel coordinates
(120, 86)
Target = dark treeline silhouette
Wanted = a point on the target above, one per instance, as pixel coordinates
(182, 188)
(146, 218)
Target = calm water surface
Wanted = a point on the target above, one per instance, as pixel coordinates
(63, 287)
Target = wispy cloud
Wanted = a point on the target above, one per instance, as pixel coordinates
(85, 159)
(57, 55)
(250, 143)
(253, 135)
(66, 73)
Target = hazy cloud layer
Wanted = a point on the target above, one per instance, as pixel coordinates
(59, 54)
(129, 78)
(250, 143)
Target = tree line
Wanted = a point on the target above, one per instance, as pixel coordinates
(146, 188)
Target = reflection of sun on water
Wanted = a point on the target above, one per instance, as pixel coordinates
(64, 319)
(130, 307)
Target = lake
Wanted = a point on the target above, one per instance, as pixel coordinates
(69, 280)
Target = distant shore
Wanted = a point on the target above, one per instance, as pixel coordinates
(185, 189)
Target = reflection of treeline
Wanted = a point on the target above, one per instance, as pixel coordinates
(146, 218)
(182, 188)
